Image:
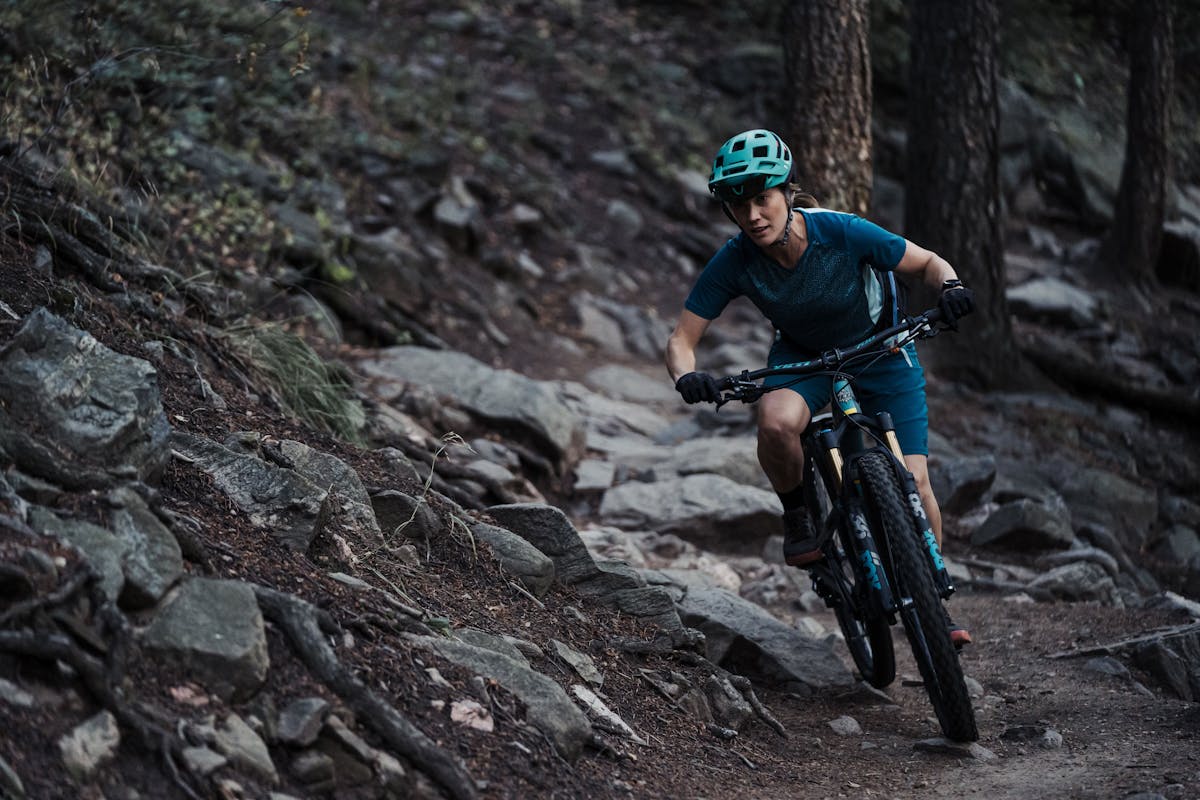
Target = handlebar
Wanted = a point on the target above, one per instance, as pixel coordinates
(744, 386)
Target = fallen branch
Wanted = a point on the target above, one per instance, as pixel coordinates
(56, 647)
(1125, 644)
(992, 584)
(303, 624)
(57, 597)
(1072, 365)
(743, 685)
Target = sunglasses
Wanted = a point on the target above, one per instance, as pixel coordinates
(738, 192)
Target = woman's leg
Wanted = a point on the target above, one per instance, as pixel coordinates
(782, 417)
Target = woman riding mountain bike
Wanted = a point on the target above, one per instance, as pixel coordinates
(824, 279)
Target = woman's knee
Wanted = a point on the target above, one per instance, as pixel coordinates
(782, 415)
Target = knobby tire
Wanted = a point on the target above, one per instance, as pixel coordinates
(925, 622)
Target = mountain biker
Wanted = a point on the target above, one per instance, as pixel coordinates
(823, 279)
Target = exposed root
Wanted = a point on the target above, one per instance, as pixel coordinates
(303, 624)
(150, 733)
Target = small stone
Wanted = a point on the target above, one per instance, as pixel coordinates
(86, 748)
(1051, 740)
(845, 726)
(203, 761)
(301, 721)
(953, 748)
(312, 766)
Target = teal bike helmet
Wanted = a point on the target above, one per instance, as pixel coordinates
(748, 164)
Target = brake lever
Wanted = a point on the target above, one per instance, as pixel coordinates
(744, 390)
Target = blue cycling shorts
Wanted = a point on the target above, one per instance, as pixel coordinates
(895, 383)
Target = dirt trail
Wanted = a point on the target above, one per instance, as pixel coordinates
(1116, 738)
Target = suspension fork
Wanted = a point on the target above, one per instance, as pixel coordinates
(941, 576)
(823, 453)
(866, 557)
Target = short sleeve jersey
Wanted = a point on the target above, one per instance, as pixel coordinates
(832, 298)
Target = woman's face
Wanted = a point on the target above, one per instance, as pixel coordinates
(762, 217)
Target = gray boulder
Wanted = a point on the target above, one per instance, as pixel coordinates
(1025, 525)
(76, 413)
(1179, 544)
(214, 630)
(960, 483)
(1053, 300)
(354, 508)
(611, 582)
(1175, 662)
(733, 457)
(1102, 498)
(153, 561)
(1079, 581)
(530, 409)
(288, 505)
(532, 566)
(745, 638)
(549, 708)
(400, 514)
(104, 550)
(709, 510)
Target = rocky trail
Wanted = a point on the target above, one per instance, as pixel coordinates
(342, 463)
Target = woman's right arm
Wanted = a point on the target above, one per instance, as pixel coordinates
(681, 346)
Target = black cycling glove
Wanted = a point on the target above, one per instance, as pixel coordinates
(698, 387)
(956, 301)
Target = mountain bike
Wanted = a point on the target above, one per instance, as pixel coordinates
(881, 557)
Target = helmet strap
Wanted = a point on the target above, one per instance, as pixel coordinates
(787, 228)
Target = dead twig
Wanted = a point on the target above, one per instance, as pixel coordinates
(152, 735)
(302, 623)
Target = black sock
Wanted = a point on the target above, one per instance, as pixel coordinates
(792, 499)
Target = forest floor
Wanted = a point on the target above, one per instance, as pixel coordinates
(1117, 738)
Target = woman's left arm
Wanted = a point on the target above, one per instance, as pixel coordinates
(926, 265)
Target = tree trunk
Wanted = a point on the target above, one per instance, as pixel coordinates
(952, 178)
(1134, 242)
(828, 68)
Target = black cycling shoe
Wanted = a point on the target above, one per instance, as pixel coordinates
(801, 546)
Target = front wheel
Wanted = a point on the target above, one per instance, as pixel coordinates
(920, 607)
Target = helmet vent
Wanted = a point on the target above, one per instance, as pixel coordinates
(761, 151)
(738, 146)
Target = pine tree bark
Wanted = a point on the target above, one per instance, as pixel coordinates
(1134, 242)
(952, 174)
(828, 66)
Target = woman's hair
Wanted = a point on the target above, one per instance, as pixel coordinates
(800, 198)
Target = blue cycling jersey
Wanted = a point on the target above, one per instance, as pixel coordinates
(832, 298)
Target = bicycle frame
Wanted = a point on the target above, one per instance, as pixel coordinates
(830, 448)
(826, 445)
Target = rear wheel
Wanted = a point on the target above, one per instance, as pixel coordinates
(921, 608)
